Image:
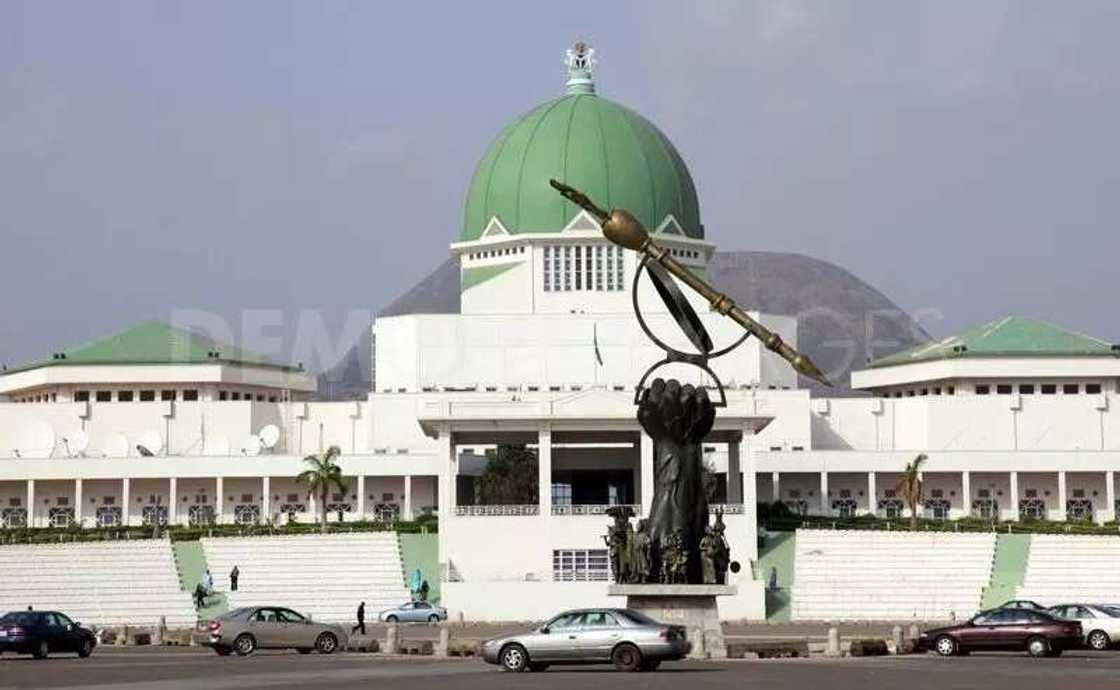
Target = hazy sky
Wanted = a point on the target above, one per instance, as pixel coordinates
(312, 158)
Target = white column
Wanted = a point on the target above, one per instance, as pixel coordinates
(775, 487)
(126, 502)
(1062, 495)
(266, 499)
(825, 508)
(544, 469)
(360, 508)
(1014, 480)
(220, 500)
(78, 500)
(446, 497)
(872, 494)
(734, 477)
(966, 494)
(1110, 495)
(646, 458)
(30, 502)
(172, 501)
(407, 497)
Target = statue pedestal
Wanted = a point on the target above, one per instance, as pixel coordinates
(692, 606)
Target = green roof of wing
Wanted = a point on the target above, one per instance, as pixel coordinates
(1008, 337)
(153, 342)
(614, 155)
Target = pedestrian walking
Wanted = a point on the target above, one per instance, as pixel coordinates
(233, 575)
(208, 582)
(361, 626)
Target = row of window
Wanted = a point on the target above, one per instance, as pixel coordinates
(492, 253)
(1044, 389)
(594, 267)
(1002, 389)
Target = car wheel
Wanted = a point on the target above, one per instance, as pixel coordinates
(434, 618)
(626, 657)
(514, 658)
(391, 619)
(244, 645)
(538, 667)
(1038, 647)
(326, 643)
(1098, 640)
(42, 651)
(85, 649)
(222, 651)
(945, 646)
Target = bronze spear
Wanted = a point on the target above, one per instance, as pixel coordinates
(622, 228)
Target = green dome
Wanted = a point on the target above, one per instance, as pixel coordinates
(619, 158)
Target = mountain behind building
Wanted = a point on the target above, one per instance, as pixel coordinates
(842, 320)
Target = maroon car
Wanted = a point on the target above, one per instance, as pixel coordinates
(1037, 632)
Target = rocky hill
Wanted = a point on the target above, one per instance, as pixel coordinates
(843, 321)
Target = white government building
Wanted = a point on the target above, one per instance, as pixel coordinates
(1018, 418)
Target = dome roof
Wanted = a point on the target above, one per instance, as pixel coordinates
(617, 157)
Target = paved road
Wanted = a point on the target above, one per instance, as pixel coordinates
(195, 669)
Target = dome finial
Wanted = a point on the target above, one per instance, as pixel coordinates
(581, 63)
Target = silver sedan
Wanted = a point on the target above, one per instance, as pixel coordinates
(414, 612)
(245, 630)
(629, 639)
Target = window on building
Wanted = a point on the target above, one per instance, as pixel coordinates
(166, 395)
(223, 395)
(236, 395)
(1026, 389)
(951, 390)
(937, 390)
(1004, 389)
(190, 395)
(1092, 388)
(272, 398)
(580, 565)
(925, 391)
(81, 396)
(246, 498)
(104, 396)
(1071, 388)
(124, 396)
(1048, 388)
(147, 396)
(561, 494)
(983, 389)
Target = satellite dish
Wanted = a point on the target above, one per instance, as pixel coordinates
(149, 443)
(252, 445)
(269, 436)
(116, 447)
(216, 446)
(35, 440)
(75, 442)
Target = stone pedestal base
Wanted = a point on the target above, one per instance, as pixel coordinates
(692, 606)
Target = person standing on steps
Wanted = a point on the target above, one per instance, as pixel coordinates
(208, 582)
(233, 575)
(361, 626)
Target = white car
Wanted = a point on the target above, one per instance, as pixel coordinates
(1100, 624)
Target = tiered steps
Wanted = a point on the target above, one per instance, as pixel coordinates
(100, 583)
(1072, 568)
(323, 576)
(863, 575)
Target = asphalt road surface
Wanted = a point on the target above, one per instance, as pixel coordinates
(199, 669)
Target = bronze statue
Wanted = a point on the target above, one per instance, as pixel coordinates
(674, 560)
(722, 556)
(641, 552)
(708, 554)
(617, 542)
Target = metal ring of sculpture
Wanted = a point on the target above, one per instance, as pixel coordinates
(689, 322)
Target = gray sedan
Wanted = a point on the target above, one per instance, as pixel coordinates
(629, 639)
(247, 629)
(414, 612)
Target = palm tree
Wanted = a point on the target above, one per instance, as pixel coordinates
(322, 475)
(910, 486)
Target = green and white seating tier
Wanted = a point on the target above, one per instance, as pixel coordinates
(98, 583)
(1072, 568)
(864, 575)
(324, 576)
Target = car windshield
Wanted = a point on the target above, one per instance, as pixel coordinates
(18, 618)
(1113, 611)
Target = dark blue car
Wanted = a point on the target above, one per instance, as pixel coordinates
(41, 633)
